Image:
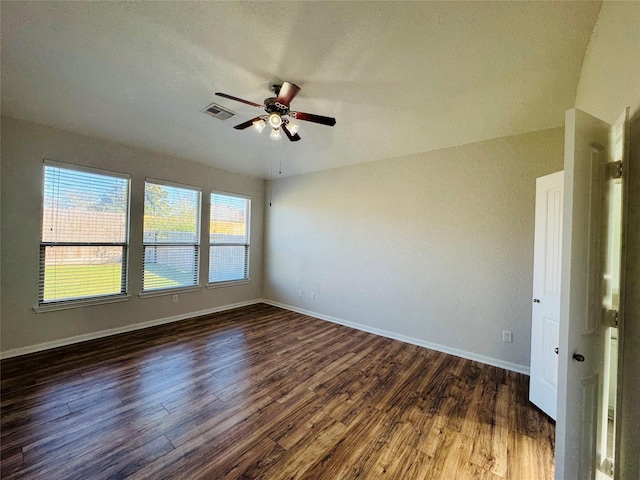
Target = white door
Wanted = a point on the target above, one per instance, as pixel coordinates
(582, 314)
(545, 318)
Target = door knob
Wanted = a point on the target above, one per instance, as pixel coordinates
(535, 300)
(556, 350)
(578, 358)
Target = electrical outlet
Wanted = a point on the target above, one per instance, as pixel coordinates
(507, 336)
(174, 298)
(313, 295)
(300, 293)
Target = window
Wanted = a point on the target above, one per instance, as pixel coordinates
(85, 218)
(229, 238)
(171, 236)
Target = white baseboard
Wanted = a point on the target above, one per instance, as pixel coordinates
(127, 328)
(515, 367)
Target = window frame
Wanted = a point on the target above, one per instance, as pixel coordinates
(247, 245)
(76, 302)
(161, 291)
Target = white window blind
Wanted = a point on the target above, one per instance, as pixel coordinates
(229, 238)
(83, 249)
(171, 236)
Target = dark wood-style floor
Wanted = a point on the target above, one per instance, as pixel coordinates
(261, 392)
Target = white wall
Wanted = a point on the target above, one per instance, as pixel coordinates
(609, 82)
(434, 248)
(24, 145)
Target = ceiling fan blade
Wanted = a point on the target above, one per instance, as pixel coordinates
(246, 124)
(287, 92)
(293, 138)
(310, 117)
(231, 97)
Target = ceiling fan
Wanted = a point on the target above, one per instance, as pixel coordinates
(277, 109)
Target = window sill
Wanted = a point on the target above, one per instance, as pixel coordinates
(229, 283)
(52, 307)
(167, 291)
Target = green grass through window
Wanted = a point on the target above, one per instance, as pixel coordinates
(64, 282)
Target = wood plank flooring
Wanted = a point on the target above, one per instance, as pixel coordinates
(264, 393)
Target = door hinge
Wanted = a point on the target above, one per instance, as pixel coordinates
(614, 169)
(607, 467)
(611, 318)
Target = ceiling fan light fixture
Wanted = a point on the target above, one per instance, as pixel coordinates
(275, 134)
(259, 125)
(275, 120)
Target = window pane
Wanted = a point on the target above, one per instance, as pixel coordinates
(83, 214)
(229, 238)
(81, 272)
(84, 207)
(227, 263)
(169, 266)
(228, 219)
(171, 237)
(171, 214)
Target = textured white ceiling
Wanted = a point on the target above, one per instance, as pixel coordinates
(399, 77)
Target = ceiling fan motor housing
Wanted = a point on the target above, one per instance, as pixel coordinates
(272, 106)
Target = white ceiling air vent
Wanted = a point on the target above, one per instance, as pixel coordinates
(218, 111)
